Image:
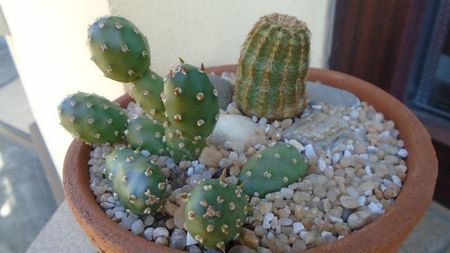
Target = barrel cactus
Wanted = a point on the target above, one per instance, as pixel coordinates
(92, 118)
(215, 212)
(146, 134)
(147, 92)
(274, 168)
(272, 68)
(118, 48)
(139, 184)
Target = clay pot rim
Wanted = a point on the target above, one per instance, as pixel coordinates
(385, 234)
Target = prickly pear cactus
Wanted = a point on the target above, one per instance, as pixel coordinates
(92, 118)
(139, 185)
(215, 212)
(118, 48)
(274, 168)
(146, 134)
(191, 101)
(181, 148)
(272, 68)
(147, 92)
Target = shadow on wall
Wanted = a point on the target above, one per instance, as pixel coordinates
(26, 201)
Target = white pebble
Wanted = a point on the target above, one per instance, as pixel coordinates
(346, 117)
(335, 219)
(325, 234)
(190, 240)
(372, 149)
(321, 164)
(270, 235)
(361, 200)
(287, 193)
(298, 227)
(403, 153)
(368, 170)
(397, 180)
(352, 192)
(354, 114)
(387, 182)
(284, 222)
(137, 227)
(347, 153)
(336, 157)
(350, 147)
(268, 217)
(254, 119)
(309, 152)
(160, 232)
(376, 208)
(148, 233)
(190, 171)
(296, 145)
(303, 235)
(317, 107)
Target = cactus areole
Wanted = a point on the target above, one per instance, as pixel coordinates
(215, 212)
(118, 48)
(272, 68)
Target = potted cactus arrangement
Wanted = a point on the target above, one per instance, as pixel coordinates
(170, 166)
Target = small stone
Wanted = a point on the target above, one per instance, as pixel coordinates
(285, 222)
(185, 164)
(137, 227)
(300, 197)
(263, 250)
(210, 157)
(249, 238)
(348, 202)
(341, 229)
(296, 145)
(148, 233)
(127, 221)
(265, 206)
(268, 217)
(149, 220)
(391, 191)
(239, 249)
(224, 88)
(162, 241)
(160, 232)
(358, 219)
(403, 153)
(309, 152)
(170, 208)
(194, 249)
(170, 223)
(376, 208)
(298, 227)
(321, 93)
(287, 193)
(286, 123)
(190, 240)
(178, 239)
(298, 245)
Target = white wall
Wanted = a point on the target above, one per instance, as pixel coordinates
(213, 31)
(48, 42)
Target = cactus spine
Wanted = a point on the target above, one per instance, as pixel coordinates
(118, 48)
(274, 168)
(146, 134)
(139, 184)
(192, 108)
(215, 212)
(147, 92)
(272, 68)
(92, 118)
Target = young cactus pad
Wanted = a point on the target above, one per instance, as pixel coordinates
(191, 102)
(181, 148)
(147, 92)
(139, 184)
(215, 212)
(274, 168)
(118, 48)
(146, 134)
(92, 118)
(270, 78)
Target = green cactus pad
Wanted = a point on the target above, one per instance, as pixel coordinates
(274, 168)
(183, 148)
(139, 184)
(215, 212)
(146, 134)
(147, 92)
(118, 48)
(92, 118)
(191, 101)
(270, 78)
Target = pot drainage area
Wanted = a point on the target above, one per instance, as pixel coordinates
(26, 200)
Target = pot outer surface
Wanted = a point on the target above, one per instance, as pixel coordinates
(384, 234)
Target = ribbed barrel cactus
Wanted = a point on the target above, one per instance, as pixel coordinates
(118, 48)
(272, 68)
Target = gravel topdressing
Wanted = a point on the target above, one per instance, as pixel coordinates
(356, 169)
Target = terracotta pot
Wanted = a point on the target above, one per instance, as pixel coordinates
(385, 234)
